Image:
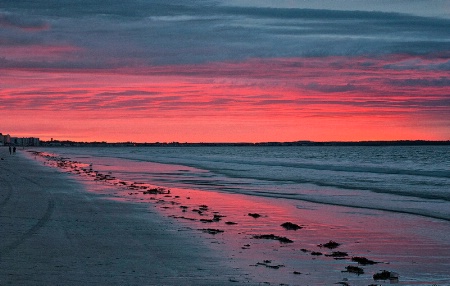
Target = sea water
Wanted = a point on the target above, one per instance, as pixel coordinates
(390, 203)
(406, 179)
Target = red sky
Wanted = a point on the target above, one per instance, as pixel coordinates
(255, 100)
(85, 90)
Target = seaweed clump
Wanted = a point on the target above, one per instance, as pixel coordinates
(281, 239)
(337, 254)
(331, 244)
(291, 226)
(354, 269)
(212, 230)
(153, 191)
(363, 260)
(384, 275)
(267, 263)
(254, 215)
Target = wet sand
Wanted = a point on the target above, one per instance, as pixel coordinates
(54, 232)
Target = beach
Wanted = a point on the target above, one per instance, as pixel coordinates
(54, 232)
(110, 216)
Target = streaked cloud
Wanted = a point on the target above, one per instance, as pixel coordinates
(115, 33)
(15, 21)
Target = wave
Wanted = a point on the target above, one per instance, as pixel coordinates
(328, 167)
(398, 186)
(350, 178)
(293, 196)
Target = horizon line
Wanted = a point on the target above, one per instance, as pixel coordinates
(252, 143)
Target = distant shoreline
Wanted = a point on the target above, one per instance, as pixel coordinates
(68, 143)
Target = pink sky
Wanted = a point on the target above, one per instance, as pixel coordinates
(320, 99)
(192, 71)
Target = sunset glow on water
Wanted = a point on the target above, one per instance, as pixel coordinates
(412, 245)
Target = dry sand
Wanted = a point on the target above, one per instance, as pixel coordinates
(53, 232)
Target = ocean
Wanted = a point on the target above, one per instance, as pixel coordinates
(405, 179)
(388, 203)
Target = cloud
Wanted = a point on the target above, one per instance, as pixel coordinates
(209, 59)
(432, 62)
(127, 93)
(8, 21)
(149, 33)
(423, 82)
(254, 86)
(332, 88)
(414, 7)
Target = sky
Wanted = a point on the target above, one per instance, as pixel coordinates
(225, 71)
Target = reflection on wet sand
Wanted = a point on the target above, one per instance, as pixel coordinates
(276, 242)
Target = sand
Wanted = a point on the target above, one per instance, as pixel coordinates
(65, 224)
(53, 232)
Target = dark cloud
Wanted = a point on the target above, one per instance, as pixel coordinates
(310, 14)
(423, 82)
(438, 64)
(49, 92)
(273, 102)
(21, 22)
(128, 93)
(332, 88)
(115, 33)
(77, 8)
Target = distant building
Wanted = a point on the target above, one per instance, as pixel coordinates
(24, 141)
(4, 139)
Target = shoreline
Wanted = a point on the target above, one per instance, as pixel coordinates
(54, 231)
(303, 143)
(222, 225)
(395, 241)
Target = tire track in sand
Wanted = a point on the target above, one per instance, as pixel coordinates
(8, 194)
(41, 222)
(28, 234)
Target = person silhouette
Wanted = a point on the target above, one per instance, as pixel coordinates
(10, 150)
(14, 150)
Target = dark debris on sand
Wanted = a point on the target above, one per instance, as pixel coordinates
(212, 230)
(354, 269)
(281, 239)
(363, 260)
(331, 244)
(217, 217)
(267, 263)
(291, 226)
(254, 215)
(384, 275)
(203, 208)
(154, 191)
(337, 254)
(183, 217)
